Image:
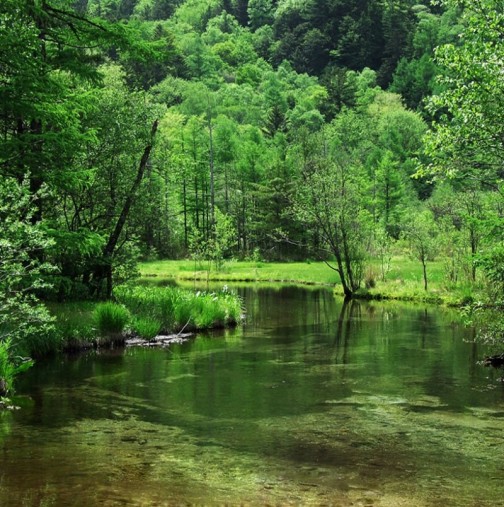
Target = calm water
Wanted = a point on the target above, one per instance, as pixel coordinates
(311, 403)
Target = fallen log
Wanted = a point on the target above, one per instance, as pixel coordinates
(159, 341)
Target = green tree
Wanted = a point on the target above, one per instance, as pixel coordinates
(468, 139)
(331, 196)
(466, 143)
(89, 214)
(389, 193)
(260, 12)
(421, 232)
(23, 319)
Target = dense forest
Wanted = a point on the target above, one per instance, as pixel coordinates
(247, 129)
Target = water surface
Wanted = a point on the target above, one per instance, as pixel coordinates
(312, 402)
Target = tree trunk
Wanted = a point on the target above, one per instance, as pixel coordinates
(424, 266)
(103, 271)
(212, 178)
(474, 251)
(186, 235)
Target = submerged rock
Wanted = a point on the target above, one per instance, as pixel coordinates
(159, 341)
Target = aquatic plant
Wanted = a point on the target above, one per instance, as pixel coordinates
(110, 318)
(146, 328)
(176, 309)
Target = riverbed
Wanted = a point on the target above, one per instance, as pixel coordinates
(311, 402)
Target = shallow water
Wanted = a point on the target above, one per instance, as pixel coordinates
(312, 402)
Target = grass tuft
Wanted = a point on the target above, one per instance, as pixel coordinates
(146, 327)
(111, 319)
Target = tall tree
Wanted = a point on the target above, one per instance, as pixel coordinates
(468, 139)
(331, 195)
(466, 144)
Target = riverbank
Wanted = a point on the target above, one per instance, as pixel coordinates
(403, 281)
(140, 312)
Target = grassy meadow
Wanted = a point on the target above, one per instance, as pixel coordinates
(404, 279)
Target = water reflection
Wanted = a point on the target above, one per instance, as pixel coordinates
(313, 401)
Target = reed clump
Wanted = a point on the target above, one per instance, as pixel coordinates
(111, 320)
(173, 309)
(146, 328)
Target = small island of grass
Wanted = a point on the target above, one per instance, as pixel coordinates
(142, 312)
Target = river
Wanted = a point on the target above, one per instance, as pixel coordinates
(310, 402)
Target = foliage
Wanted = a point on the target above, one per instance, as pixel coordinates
(489, 325)
(467, 140)
(25, 323)
(421, 232)
(158, 128)
(329, 200)
(11, 365)
(22, 268)
(492, 263)
(218, 246)
(466, 143)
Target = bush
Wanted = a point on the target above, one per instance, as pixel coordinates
(111, 319)
(40, 342)
(492, 264)
(370, 277)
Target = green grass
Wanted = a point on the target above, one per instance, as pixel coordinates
(146, 328)
(403, 281)
(168, 309)
(175, 309)
(304, 272)
(74, 324)
(111, 320)
(146, 311)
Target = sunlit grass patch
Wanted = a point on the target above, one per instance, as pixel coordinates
(245, 271)
(175, 309)
(402, 280)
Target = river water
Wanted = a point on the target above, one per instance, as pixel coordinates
(311, 402)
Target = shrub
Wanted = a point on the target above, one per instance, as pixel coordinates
(110, 318)
(370, 277)
(40, 342)
(492, 264)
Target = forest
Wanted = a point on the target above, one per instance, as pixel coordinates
(273, 130)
